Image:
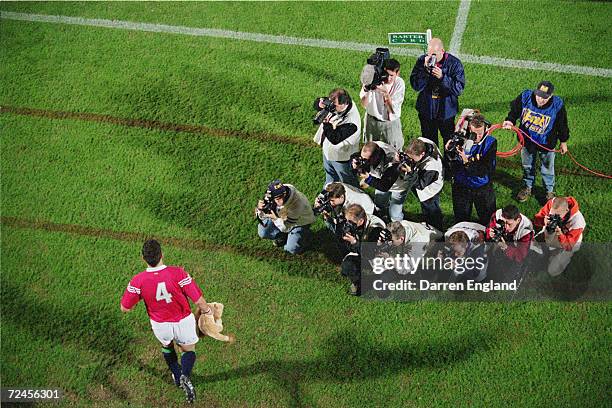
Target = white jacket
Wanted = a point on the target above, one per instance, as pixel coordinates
(354, 195)
(431, 164)
(343, 150)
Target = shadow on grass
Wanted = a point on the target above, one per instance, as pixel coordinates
(74, 325)
(351, 358)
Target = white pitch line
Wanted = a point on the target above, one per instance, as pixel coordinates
(460, 24)
(308, 42)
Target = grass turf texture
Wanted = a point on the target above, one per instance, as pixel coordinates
(295, 348)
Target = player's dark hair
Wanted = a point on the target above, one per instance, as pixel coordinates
(392, 65)
(151, 252)
(511, 212)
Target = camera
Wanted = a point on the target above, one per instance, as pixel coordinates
(328, 107)
(269, 206)
(431, 64)
(405, 160)
(325, 204)
(554, 221)
(362, 165)
(498, 231)
(344, 227)
(374, 73)
(385, 241)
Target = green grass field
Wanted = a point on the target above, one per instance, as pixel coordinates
(79, 197)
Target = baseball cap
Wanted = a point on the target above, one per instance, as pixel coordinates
(277, 188)
(545, 89)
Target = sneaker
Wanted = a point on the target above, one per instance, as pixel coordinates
(524, 194)
(280, 240)
(187, 386)
(550, 195)
(355, 290)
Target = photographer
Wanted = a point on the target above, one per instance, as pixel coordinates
(422, 174)
(472, 165)
(338, 196)
(285, 217)
(466, 240)
(512, 231)
(563, 224)
(338, 136)
(411, 238)
(439, 79)
(358, 227)
(384, 107)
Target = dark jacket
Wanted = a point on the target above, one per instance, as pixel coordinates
(447, 89)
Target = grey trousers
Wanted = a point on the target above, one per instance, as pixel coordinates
(383, 131)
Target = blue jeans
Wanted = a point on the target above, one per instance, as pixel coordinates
(298, 238)
(547, 168)
(341, 171)
(392, 201)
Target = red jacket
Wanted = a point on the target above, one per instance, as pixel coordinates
(571, 232)
(522, 235)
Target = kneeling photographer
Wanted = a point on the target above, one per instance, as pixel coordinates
(285, 216)
(562, 224)
(512, 232)
(471, 153)
(353, 229)
(418, 169)
(466, 240)
(336, 197)
(409, 238)
(338, 135)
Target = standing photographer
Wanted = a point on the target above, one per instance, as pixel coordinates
(472, 167)
(338, 135)
(422, 174)
(285, 216)
(358, 227)
(439, 79)
(563, 224)
(543, 118)
(384, 107)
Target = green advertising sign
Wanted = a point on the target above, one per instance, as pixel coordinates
(421, 39)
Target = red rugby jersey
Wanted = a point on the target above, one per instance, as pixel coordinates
(165, 290)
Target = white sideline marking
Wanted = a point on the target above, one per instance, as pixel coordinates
(309, 42)
(460, 24)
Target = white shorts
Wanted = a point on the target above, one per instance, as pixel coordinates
(182, 332)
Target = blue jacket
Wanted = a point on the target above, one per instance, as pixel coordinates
(479, 169)
(438, 98)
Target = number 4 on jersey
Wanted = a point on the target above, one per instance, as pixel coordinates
(162, 293)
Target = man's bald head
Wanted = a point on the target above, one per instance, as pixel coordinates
(436, 46)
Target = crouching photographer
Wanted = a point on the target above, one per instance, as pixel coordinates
(471, 154)
(465, 241)
(407, 238)
(355, 228)
(562, 224)
(285, 216)
(336, 197)
(512, 233)
(338, 135)
(418, 169)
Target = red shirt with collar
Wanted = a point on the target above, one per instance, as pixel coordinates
(165, 290)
